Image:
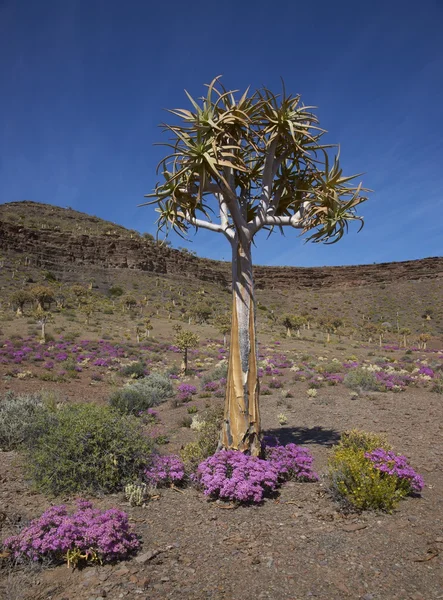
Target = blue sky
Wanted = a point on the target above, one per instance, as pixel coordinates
(85, 82)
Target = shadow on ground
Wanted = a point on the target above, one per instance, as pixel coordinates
(305, 435)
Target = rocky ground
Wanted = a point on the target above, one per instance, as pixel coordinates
(295, 546)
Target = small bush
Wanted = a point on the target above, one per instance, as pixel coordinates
(85, 448)
(356, 440)
(362, 379)
(437, 385)
(17, 413)
(365, 473)
(293, 462)
(165, 471)
(219, 372)
(136, 370)
(143, 394)
(88, 535)
(237, 477)
(209, 434)
(358, 484)
(186, 421)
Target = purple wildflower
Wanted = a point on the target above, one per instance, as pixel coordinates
(397, 465)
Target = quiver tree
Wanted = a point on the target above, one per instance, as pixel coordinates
(293, 323)
(128, 303)
(330, 325)
(43, 296)
(423, 339)
(223, 324)
(42, 317)
(19, 299)
(185, 340)
(240, 164)
(201, 311)
(405, 331)
(80, 293)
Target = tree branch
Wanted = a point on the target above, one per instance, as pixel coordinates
(203, 224)
(295, 220)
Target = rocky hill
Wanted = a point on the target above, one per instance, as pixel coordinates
(62, 240)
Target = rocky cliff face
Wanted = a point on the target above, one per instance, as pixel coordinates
(63, 251)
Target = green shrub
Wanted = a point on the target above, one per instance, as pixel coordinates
(437, 385)
(355, 482)
(361, 379)
(356, 440)
(208, 437)
(143, 394)
(331, 367)
(136, 370)
(85, 448)
(17, 413)
(218, 373)
(353, 479)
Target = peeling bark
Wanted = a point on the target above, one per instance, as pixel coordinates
(241, 425)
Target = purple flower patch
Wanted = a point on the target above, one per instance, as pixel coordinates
(55, 533)
(397, 465)
(165, 471)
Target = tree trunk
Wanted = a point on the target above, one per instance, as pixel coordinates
(43, 332)
(184, 365)
(241, 425)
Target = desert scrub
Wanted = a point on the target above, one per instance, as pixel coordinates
(356, 440)
(136, 370)
(364, 475)
(208, 436)
(146, 393)
(85, 448)
(17, 414)
(437, 386)
(362, 379)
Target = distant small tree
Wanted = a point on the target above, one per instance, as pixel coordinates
(170, 309)
(287, 323)
(223, 324)
(423, 340)
(308, 318)
(143, 330)
(369, 330)
(128, 302)
(148, 327)
(60, 299)
(382, 330)
(19, 299)
(79, 292)
(185, 340)
(43, 295)
(330, 325)
(88, 308)
(201, 311)
(405, 332)
(42, 317)
(293, 323)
